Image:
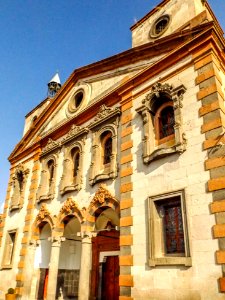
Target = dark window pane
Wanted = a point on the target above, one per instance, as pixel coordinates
(51, 170)
(107, 150)
(20, 180)
(173, 228)
(76, 164)
(160, 26)
(166, 122)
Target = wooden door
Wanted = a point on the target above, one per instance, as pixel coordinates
(105, 241)
(45, 284)
(110, 278)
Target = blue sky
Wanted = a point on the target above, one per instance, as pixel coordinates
(39, 37)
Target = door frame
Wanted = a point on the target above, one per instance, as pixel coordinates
(101, 247)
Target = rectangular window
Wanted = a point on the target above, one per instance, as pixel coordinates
(168, 230)
(9, 249)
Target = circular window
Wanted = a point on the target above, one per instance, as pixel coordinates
(160, 26)
(78, 98)
(76, 101)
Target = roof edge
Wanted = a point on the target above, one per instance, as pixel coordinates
(159, 6)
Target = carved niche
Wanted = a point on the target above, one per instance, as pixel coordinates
(73, 145)
(18, 187)
(151, 150)
(106, 120)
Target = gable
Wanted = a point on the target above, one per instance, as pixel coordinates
(94, 88)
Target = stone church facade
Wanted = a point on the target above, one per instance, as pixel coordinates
(117, 187)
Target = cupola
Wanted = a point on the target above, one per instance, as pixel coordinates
(54, 85)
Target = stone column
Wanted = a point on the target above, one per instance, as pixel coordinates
(30, 283)
(85, 267)
(53, 267)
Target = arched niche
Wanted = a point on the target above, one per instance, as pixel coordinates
(43, 252)
(69, 260)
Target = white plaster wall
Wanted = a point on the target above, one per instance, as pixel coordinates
(185, 171)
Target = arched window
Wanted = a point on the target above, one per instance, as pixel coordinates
(106, 139)
(51, 168)
(166, 122)
(76, 161)
(20, 179)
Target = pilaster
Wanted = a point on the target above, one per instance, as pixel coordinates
(24, 267)
(126, 201)
(212, 111)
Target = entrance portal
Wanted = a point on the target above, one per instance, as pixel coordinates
(105, 266)
(110, 278)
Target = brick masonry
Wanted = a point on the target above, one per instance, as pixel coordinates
(212, 111)
(29, 218)
(126, 202)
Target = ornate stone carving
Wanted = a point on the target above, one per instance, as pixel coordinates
(51, 145)
(43, 213)
(74, 131)
(104, 113)
(158, 89)
(147, 110)
(69, 206)
(18, 183)
(101, 195)
(106, 120)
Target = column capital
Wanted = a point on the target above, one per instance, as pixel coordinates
(34, 243)
(86, 236)
(57, 240)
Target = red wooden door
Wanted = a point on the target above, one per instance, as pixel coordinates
(105, 241)
(45, 284)
(110, 278)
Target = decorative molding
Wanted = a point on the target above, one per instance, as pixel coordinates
(51, 145)
(69, 206)
(18, 191)
(73, 133)
(147, 110)
(105, 113)
(107, 119)
(101, 195)
(69, 182)
(43, 213)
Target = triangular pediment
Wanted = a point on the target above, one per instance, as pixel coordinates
(118, 72)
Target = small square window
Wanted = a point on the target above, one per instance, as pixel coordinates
(9, 249)
(168, 230)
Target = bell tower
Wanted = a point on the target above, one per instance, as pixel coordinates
(54, 85)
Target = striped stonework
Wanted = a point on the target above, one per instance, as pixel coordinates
(27, 232)
(6, 206)
(213, 113)
(126, 202)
